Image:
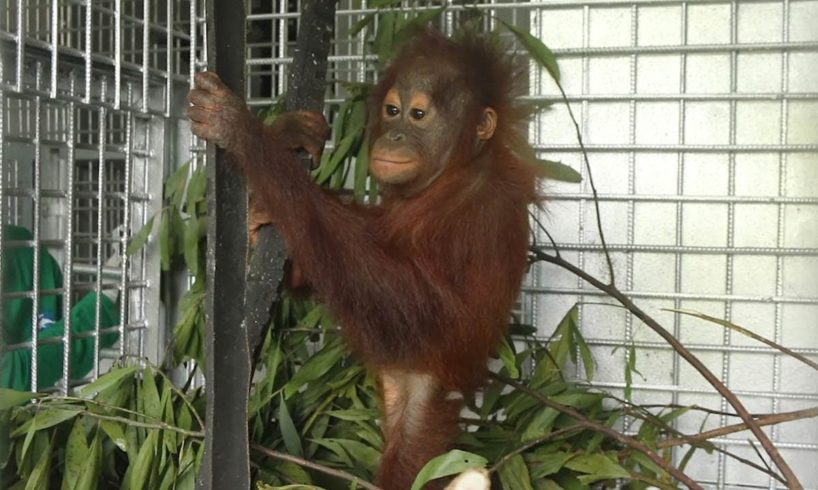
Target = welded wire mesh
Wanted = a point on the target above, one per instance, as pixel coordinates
(701, 124)
(90, 93)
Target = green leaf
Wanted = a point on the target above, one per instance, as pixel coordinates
(338, 154)
(549, 464)
(108, 380)
(193, 232)
(144, 461)
(12, 398)
(297, 486)
(76, 455)
(46, 418)
(537, 49)
(540, 425)
(175, 185)
(293, 472)
(451, 463)
(292, 440)
(509, 358)
(648, 464)
(115, 433)
(585, 352)
(630, 368)
(362, 22)
(354, 414)
(89, 477)
(184, 418)
(196, 189)
(140, 238)
(39, 477)
(514, 474)
(165, 244)
(315, 367)
(362, 455)
(557, 171)
(337, 449)
(384, 44)
(169, 474)
(176, 243)
(379, 4)
(169, 437)
(422, 19)
(150, 395)
(597, 466)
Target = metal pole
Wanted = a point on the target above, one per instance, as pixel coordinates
(226, 463)
(231, 341)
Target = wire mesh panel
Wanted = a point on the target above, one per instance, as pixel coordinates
(89, 92)
(701, 124)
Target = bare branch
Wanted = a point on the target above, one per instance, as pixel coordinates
(610, 289)
(314, 466)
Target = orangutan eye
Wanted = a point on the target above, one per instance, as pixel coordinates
(418, 114)
(391, 110)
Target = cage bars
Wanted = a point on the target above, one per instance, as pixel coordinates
(68, 243)
(73, 100)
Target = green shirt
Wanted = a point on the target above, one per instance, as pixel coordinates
(15, 368)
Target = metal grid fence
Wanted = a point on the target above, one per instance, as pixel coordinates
(702, 123)
(90, 94)
(701, 120)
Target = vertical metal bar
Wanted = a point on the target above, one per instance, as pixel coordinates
(55, 31)
(21, 47)
(124, 234)
(226, 458)
(170, 52)
(146, 33)
(35, 288)
(585, 89)
(731, 191)
(534, 131)
(781, 218)
(2, 192)
(103, 114)
(68, 245)
(680, 172)
(87, 53)
(194, 19)
(118, 53)
(282, 46)
(634, 14)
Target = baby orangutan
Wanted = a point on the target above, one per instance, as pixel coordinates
(423, 282)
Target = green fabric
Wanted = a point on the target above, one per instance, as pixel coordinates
(15, 369)
(18, 276)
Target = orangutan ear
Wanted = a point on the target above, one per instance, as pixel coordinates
(487, 125)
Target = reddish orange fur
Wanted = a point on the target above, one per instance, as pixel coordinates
(421, 284)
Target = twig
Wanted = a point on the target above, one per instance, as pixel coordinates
(183, 396)
(745, 332)
(591, 183)
(792, 481)
(542, 227)
(613, 434)
(772, 419)
(145, 425)
(315, 466)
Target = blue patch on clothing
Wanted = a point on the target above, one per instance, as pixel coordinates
(45, 320)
